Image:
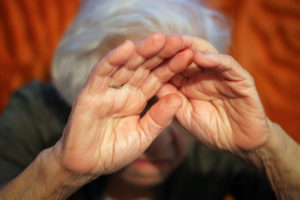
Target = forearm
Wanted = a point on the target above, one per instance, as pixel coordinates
(279, 161)
(43, 179)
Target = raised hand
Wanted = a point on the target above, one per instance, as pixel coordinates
(221, 107)
(105, 131)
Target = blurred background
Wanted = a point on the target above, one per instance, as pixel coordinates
(265, 40)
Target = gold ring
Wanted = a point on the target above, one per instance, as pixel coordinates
(114, 85)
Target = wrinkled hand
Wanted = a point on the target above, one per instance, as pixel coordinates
(221, 107)
(105, 131)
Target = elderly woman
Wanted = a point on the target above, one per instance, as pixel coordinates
(137, 112)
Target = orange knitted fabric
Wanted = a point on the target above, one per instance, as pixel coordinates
(29, 33)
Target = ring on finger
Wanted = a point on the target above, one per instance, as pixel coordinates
(114, 85)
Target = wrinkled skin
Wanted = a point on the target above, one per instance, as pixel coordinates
(214, 98)
(221, 107)
(105, 131)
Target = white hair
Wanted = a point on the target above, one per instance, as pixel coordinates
(101, 25)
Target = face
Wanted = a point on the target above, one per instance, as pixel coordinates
(165, 153)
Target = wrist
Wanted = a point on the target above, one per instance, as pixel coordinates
(44, 178)
(278, 160)
(56, 178)
(269, 153)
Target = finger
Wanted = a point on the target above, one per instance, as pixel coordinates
(174, 44)
(145, 49)
(198, 45)
(109, 64)
(192, 70)
(168, 89)
(159, 116)
(230, 69)
(165, 72)
(132, 72)
(114, 59)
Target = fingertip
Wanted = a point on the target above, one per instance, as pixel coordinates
(174, 44)
(172, 101)
(181, 61)
(128, 42)
(177, 39)
(151, 45)
(166, 90)
(158, 36)
(122, 53)
(165, 109)
(198, 56)
(127, 45)
(160, 115)
(157, 39)
(189, 53)
(187, 43)
(202, 58)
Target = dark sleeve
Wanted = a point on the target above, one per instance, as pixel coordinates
(213, 175)
(232, 176)
(27, 126)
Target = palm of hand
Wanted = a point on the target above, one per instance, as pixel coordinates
(221, 106)
(113, 138)
(105, 131)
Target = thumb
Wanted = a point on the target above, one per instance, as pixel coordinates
(159, 116)
(185, 108)
(168, 89)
